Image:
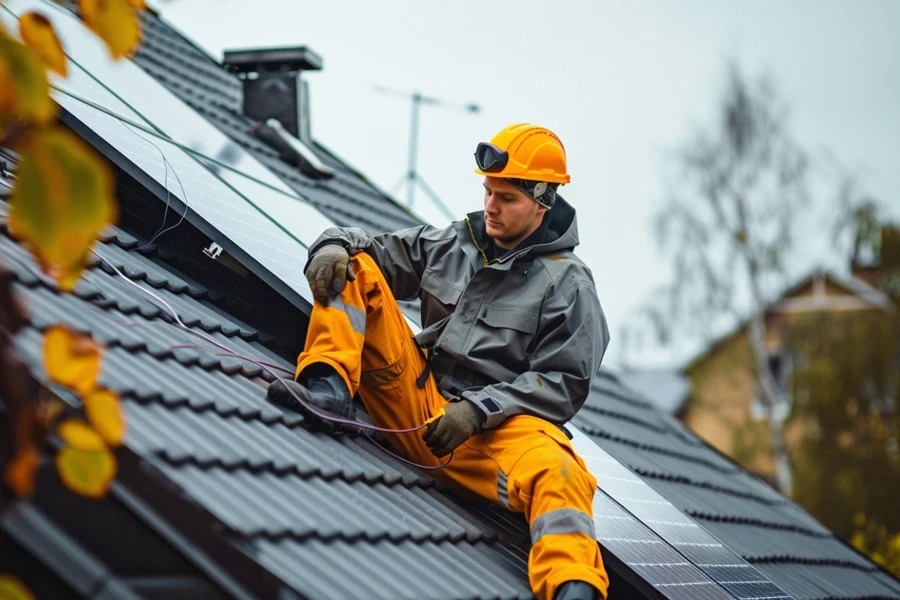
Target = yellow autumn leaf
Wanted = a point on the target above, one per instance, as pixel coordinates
(12, 588)
(72, 359)
(20, 472)
(38, 34)
(86, 472)
(64, 196)
(24, 93)
(104, 411)
(78, 435)
(115, 22)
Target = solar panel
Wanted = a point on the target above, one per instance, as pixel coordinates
(645, 553)
(239, 196)
(693, 558)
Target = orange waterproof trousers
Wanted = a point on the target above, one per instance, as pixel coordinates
(526, 464)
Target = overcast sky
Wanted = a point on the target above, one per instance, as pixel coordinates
(622, 83)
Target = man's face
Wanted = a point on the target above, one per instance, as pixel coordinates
(509, 214)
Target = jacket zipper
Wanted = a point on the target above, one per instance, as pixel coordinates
(474, 241)
(484, 256)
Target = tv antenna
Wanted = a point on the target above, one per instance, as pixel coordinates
(412, 177)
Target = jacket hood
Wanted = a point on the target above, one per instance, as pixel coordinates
(563, 226)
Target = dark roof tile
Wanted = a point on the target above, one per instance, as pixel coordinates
(392, 571)
(273, 506)
(142, 269)
(714, 505)
(114, 235)
(160, 339)
(182, 435)
(813, 582)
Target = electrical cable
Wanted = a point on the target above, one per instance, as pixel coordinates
(363, 427)
(166, 165)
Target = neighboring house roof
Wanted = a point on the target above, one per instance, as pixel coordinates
(253, 504)
(667, 389)
(865, 296)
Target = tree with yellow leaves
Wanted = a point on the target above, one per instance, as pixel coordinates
(62, 198)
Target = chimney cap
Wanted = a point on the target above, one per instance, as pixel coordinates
(272, 60)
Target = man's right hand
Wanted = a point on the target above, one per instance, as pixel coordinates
(328, 272)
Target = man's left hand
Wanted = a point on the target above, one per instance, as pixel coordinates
(461, 421)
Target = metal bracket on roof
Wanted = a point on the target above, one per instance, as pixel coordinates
(216, 252)
(213, 251)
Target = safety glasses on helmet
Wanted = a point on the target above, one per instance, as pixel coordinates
(490, 158)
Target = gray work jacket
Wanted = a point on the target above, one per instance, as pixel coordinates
(522, 334)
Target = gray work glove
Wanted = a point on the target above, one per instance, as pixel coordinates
(460, 421)
(328, 272)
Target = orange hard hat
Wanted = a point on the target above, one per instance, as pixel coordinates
(523, 151)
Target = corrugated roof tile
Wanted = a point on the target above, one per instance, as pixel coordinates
(392, 571)
(182, 435)
(273, 506)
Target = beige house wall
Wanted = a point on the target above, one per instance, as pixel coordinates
(723, 385)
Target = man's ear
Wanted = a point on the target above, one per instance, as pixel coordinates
(541, 209)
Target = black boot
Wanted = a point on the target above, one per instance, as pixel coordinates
(325, 390)
(576, 590)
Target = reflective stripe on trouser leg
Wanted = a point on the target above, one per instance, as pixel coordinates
(357, 316)
(561, 520)
(550, 484)
(363, 334)
(337, 331)
(502, 490)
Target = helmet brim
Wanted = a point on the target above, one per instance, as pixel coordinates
(548, 177)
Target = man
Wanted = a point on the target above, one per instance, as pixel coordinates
(513, 331)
